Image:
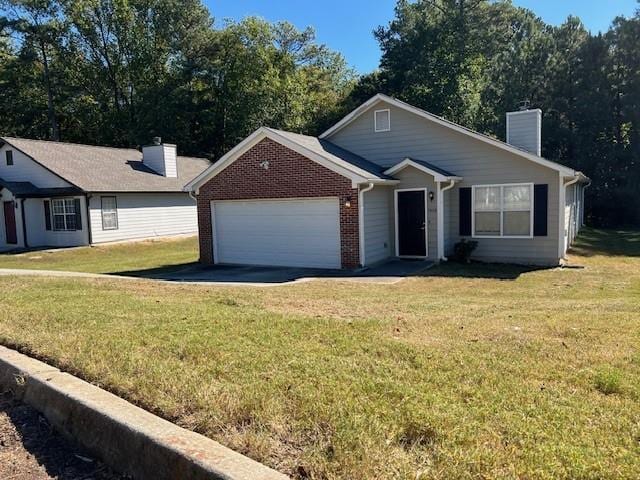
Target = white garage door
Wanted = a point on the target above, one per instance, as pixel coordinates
(292, 233)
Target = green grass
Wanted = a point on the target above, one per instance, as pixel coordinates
(469, 372)
(116, 258)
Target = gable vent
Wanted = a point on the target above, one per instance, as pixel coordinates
(382, 120)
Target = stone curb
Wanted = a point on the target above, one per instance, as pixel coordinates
(125, 437)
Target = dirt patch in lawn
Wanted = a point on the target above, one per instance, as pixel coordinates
(30, 449)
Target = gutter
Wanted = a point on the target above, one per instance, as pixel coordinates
(87, 197)
(582, 223)
(361, 220)
(441, 256)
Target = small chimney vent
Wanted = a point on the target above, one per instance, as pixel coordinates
(161, 157)
(524, 128)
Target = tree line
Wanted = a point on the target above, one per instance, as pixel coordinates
(118, 72)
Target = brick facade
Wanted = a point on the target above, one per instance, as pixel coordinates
(289, 175)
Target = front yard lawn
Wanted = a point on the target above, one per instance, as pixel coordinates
(129, 257)
(468, 372)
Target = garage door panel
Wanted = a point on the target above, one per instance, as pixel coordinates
(303, 233)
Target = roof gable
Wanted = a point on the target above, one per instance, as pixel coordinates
(380, 98)
(323, 152)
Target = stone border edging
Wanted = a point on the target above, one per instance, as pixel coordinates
(125, 437)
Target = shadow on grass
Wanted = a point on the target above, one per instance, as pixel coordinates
(610, 243)
(159, 273)
(494, 271)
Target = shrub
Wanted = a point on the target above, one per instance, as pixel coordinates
(463, 250)
(608, 382)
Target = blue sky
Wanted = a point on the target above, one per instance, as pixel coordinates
(346, 25)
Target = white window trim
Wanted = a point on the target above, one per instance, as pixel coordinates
(375, 120)
(426, 221)
(102, 212)
(502, 235)
(64, 215)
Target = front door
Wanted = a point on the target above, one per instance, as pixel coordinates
(411, 223)
(10, 223)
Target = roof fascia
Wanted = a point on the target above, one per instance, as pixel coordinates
(407, 162)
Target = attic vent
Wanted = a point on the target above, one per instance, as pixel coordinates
(382, 120)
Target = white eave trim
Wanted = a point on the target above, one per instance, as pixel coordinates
(346, 169)
(445, 123)
(407, 162)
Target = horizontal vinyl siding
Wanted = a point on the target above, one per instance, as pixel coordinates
(24, 169)
(145, 216)
(377, 227)
(477, 162)
(39, 236)
(523, 130)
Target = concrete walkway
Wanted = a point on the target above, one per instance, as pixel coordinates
(388, 273)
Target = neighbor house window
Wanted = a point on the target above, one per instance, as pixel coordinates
(9, 155)
(382, 120)
(503, 210)
(109, 213)
(63, 213)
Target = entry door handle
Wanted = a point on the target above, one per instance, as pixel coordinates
(423, 226)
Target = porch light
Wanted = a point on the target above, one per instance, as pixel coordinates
(347, 202)
(431, 196)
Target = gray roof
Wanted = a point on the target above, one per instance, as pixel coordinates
(327, 149)
(433, 167)
(106, 169)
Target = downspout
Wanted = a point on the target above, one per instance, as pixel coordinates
(361, 220)
(87, 199)
(583, 204)
(25, 242)
(441, 256)
(563, 206)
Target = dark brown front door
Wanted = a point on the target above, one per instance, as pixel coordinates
(412, 224)
(10, 222)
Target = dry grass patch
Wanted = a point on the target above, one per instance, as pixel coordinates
(468, 372)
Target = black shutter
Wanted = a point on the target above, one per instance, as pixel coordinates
(47, 214)
(465, 211)
(76, 202)
(540, 210)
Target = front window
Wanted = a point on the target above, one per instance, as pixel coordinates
(63, 211)
(503, 210)
(109, 213)
(9, 157)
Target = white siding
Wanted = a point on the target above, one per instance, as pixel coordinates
(145, 215)
(377, 224)
(39, 236)
(524, 130)
(162, 159)
(478, 163)
(26, 170)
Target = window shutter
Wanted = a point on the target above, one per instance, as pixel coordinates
(76, 202)
(47, 214)
(465, 211)
(540, 210)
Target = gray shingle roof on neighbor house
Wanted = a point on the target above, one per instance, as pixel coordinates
(106, 169)
(327, 149)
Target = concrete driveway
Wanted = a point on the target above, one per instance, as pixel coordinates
(389, 272)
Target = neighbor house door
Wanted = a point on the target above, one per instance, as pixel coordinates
(10, 223)
(411, 223)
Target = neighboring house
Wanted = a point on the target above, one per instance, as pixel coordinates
(60, 195)
(388, 180)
